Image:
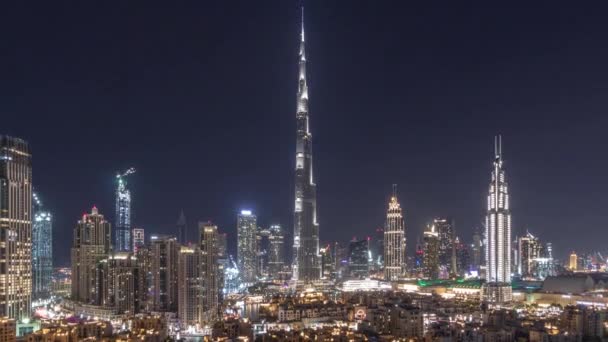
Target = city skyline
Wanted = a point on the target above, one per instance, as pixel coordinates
(412, 161)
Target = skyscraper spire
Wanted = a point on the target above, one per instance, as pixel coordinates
(306, 229)
(498, 233)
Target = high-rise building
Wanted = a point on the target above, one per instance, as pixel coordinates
(573, 262)
(121, 286)
(123, 213)
(262, 252)
(358, 258)
(15, 228)
(42, 251)
(327, 262)
(418, 269)
(190, 293)
(431, 252)
(210, 273)
(445, 229)
(92, 243)
(139, 239)
(529, 249)
(164, 268)
(276, 253)
(222, 246)
(477, 251)
(497, 288)
(246, 245)
(182, 228)
(394, 240)
(306, 227)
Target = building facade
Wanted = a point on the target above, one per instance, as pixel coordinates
(121, 285)
(15, 228)
(164, 269)
(42, 251)
(431, 253)
(139, 239)
(182, 228)
(210, 271)
(123, 213)
(91, 244)
(447, 235)
(306, 266)
(276, 253)
(394, 240)
(358, 258)
(497, 288)
(190, 294)
(246, 246)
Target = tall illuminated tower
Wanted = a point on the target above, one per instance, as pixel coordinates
(42, 251)
(306, 256)
(246, 245)
(123, 213)
(15, 228)
(394, 240)
(498, 234)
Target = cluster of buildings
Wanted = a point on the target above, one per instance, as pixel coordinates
(489, 289)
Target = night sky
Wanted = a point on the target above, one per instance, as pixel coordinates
(200, 97)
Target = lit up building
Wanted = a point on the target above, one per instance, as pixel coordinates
(246, 245)
(276, 253)
(418, 269)
(120, 282)
(573, 262)
(447, 255)
(15, 228)
(529, 248)
(358, 258)
(394, 240)
(139, 239)
(497, 288)
(123, 213)
(208, 243)
(306, 257)
(190, 280)
(262, 241)
(327, 262)
(42, 251)
(182, 228)
(477, 251)
(92, 243)
(164, 266)
(431, 253)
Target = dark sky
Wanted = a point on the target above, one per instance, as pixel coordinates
(200, 97)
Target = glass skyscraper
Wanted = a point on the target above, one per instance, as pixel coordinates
(123, 213)
(42, 251)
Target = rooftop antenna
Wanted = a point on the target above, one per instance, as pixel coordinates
(395, 190)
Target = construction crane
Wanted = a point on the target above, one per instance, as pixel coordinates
(126, 173)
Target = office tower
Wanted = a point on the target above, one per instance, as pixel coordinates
(573, 264)
(497, 288)
(445, 229)
(92, 243)
(378, 250)
(164, 255)
(262, 250)
(306, 228)
(477, 251)
(431, 252)
(529, 249)
(143, 256)
(418, 270)
(190, 293)
(222, 246)
(139, 239)
(341, 260)
(358, 258)
(394, 240)
(211, 281)
(15, 228)
(328, 264)
(463, 257)
(276, 254)
(42, 251)
(123, 213)
(182, 228)
(121, 286)
(246, 245)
